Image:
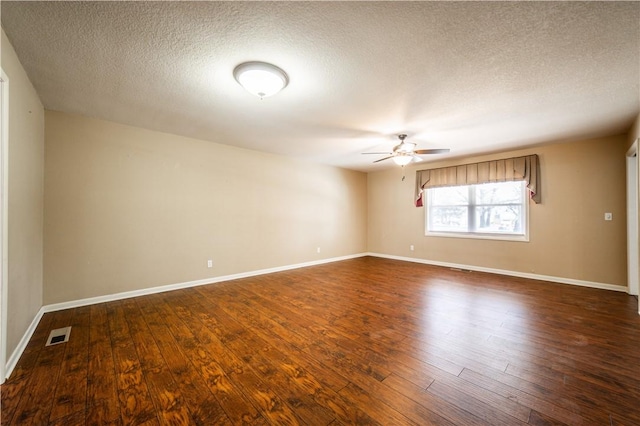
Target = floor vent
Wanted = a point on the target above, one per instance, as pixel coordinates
(59, 335)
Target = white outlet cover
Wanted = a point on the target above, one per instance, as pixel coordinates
(608, 216)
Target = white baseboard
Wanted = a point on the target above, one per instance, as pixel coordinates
(169, 287)
(17, 353)
(15, 356)
(537, 277)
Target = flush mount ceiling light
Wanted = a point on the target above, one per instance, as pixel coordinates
(260, 78)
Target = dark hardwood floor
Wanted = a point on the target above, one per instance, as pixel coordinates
(364, 341)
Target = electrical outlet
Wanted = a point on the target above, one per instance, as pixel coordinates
(608, 216)
(411, 247)
(318, 250)
(209, 263)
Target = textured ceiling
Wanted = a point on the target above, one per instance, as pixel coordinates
(471, 76)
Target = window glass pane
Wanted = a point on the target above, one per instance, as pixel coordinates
(452, 219)
(492, 210)
(501, 219)
(449, 196)
(499, 193)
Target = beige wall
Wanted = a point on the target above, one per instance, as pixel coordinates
(128, 208)
(26, 165)
(568, 236)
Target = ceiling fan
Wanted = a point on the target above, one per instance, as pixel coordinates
(406, 152)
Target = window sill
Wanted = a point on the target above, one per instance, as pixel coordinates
(479, 236)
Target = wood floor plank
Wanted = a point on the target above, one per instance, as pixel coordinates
(374, 352)
(487, 412)
(45, 373)
(361, 341)
(377, 389)
(195, 341)
(146, 329)
(326, 377)
(74, 419)
(191, 302)
(541, 405)
(71, 390)
(537, 419)
(521, 355)
(436, 406)
(254, 353)
(488, 398)
(242, 310)
(589, 403)
(378, 410)
(364, 359)
(103, 406)
(578, 374)
(203, 406)
(299, 377)
(598, 399)
(11, 391)
(270, 405)
(136, 405)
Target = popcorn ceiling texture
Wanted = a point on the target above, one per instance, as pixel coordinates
(471, 76)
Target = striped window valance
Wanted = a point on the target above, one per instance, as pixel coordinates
(525, 168)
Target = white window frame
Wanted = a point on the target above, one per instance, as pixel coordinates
(481, 235)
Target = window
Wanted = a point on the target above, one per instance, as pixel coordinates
(490, 210)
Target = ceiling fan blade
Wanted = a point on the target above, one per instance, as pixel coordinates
(431, 151)
(378, 153)
(382, 159)
(416, 159)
